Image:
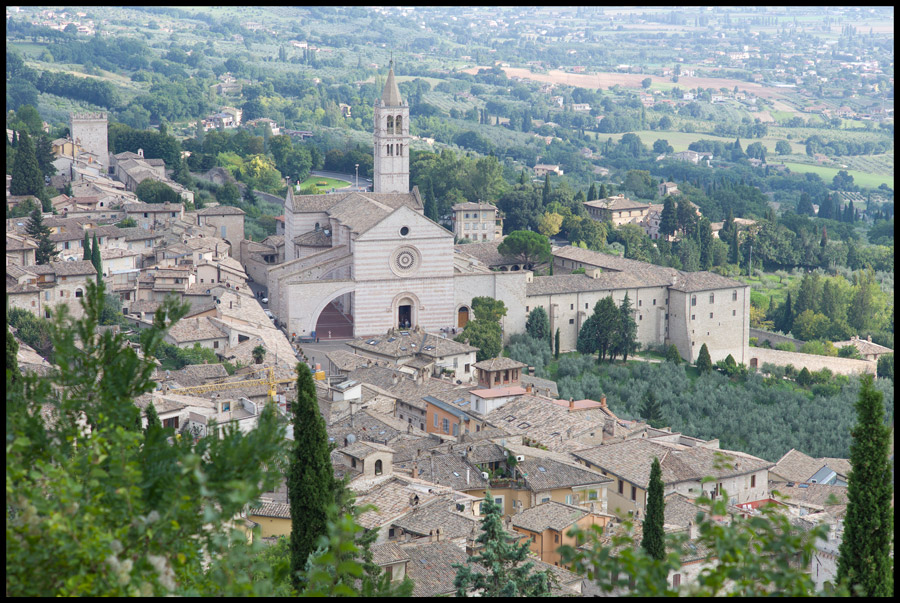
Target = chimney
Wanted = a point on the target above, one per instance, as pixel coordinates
(439, 534)
(528, 389)
(571, 403)
(414, 472)
(467, 476)
(395, 378)
(603, 401)
(431, 536)
(869, 339)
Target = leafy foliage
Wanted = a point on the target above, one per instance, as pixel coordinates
(538, 324)
(88, 513)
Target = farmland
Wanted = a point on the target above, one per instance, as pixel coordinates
(828, 173)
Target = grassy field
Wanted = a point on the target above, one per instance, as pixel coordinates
(681, 140)
(329, 183)
(827, 173)
(770, 284)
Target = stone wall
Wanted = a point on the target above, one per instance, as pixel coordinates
(841, 366)
(90, 131)
(774, 338)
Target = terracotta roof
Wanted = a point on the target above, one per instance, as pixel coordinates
(864, 346)
(557, 475)
(616, 204)
(549, 515)
(18, 243)
(487, 253)
(798, 467)
(152, 207)
(704, 281)
(431, 567)
(499, 364)
(631, 461)
(813, 496)
(73, 268)
(195, 329)
(387, 553)
(471, 206)
(437, 514)
(448, 470)
(271, 509)
(680, 510)
(546, 423)
(313, 238)
(221, 210)
(361, 450)
(391, 498)
(347, 361)
(323, 203)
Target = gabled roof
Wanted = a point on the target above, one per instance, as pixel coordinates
(548, 474)
(437, 514)
(221, 210)
(798, 467)
(548, 516)
(499, 364)
(431, 567)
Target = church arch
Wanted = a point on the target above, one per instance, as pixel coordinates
(398, 125)
(405, 308)
(462, 316)
(326, 305)
(390, 124)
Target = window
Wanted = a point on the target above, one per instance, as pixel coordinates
(712, 298)
(352, 462)
(592, 495)
(640, 303)
(571, 306)
(734, 312)
(78, 293)
(467, 367)
(556, 538)
(467, 216)
(404, 231)
(62, 293)
(391, 533)
(570, 499)
(216, 345)
(571, 321)
(445, 425)
(527, 309)
(390, 123)
(693, 316)
(676, 580)
(226, 406)
(693, 300)
(173, 422)
(585, 306)
(378, 467)
(145, 214)
(621, 487)
(456, 429)
(545, 499)
(752, 481)
(734, 295)
(66, 245)
(634, 493)
(710, 314)
(173, 215)
(398, 128)
(435, 420)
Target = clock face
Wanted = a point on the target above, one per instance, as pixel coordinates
(405, 261)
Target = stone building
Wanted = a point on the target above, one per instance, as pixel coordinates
(477, 222)
(89, 131)
(230, 223)
(358, 264)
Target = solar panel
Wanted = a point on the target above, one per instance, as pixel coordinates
(542, 469)
(464, 402)
(390, 339)
(458, 400)
(372, 342)
(456, 474)
(403, 349)
(404, 333)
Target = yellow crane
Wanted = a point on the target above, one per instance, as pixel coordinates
(269, 381)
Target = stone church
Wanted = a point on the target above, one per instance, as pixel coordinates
(361, 263)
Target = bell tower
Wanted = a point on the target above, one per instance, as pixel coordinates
(391, 140)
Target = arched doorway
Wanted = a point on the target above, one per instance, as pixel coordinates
(336, 318)
(462, 317)
(406, 311)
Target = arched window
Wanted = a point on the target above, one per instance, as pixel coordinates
(390, 123)
(398, 128)
(400, 150)
(378, 469)
(79, 293)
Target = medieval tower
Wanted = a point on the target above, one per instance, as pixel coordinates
(88, 130)
(391, 140)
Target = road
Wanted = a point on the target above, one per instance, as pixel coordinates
(364, 183)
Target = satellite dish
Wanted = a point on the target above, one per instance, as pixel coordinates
(351, 438)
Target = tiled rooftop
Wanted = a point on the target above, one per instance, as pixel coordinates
(798, 467)
(549, 515)
(549, 474)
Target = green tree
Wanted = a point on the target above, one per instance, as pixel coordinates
(704, 362)
(484, 335)
(86, 244)
(556, 354)
(865, 307)
(529, 247)
(27, 178)
(538, 324)
(152, 418)
(545, 192)
(804, 378)
(672, 354)
(78, 520)
(154, 191)
(810, 325)
(654, 536)
(259, 354)
(23, 208)
(507, 570)
(228, 193)
(646, 82)
(599, 331)
(95, 258)
(625, 342)
(46, 251)
(785, 318)
(12, 352)
(783, 147)
(885, 367)
(488, 309)
(668, 220)
(864, 562)
(651, 411)
(310, 479)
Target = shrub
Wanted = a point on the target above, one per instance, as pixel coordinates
(786, 346)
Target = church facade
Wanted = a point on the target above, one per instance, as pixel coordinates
(361, 263)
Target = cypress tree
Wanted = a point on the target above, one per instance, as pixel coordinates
(556, 355)
(651, 411)
(704, 362)
(12, 354)
(95, 258)
(824, 240)
(654, 538)
(668, 220)
(46, 251)
(627, 330)
(545, 194)
(592, 192)
(86, 244)
(601, 191)
(152, 418)
(864, 556)
(27, 178)
(310, 479)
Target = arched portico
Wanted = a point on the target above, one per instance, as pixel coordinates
(334, 314)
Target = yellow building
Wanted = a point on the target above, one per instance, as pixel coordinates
(274, 519)
(548, 524)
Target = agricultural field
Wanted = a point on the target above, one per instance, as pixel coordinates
(828, 173)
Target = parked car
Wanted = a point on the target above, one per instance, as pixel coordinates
(269, 314)
(265, 300)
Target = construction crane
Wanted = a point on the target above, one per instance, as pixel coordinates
(269, 381)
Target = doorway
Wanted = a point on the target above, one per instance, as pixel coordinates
(404, 315)
(462, 317)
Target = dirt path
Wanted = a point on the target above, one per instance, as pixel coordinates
(632, 80)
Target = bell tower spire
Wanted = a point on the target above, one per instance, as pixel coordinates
(391, 139)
